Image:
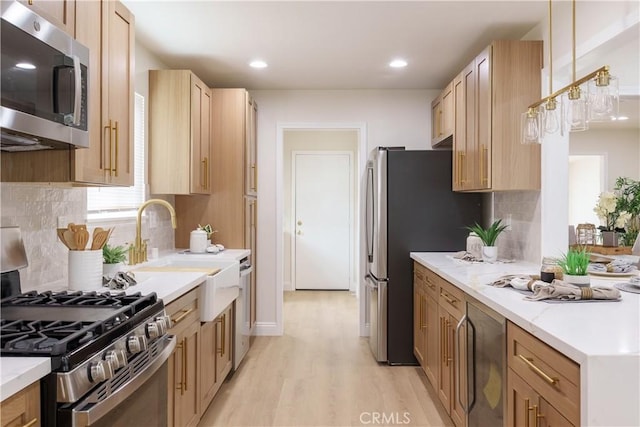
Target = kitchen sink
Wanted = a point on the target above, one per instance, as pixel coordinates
(218, 290)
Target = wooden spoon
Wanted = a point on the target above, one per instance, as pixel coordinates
(60, 232)
(82, 237)
(99, 240)
(70, 239)
(96, 232)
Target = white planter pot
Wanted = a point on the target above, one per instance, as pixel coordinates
(581, 281)
(85, 270)
(110, 270)
(489, 253)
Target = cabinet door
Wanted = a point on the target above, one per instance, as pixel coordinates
(224, 343)
(470, 160)
(483, 117)
(208, 374)
(445, 360)
(459, 133)
(521, 399)
(436, 120)
(90, 165)
(200, 137)
(251, 155)
(547, 416)
(187, 397)
(60, 13)
(419, 320)
(431, 340)
(23, 408)
(117, 90)
(251, 215)
(458, 348)
(447, 122)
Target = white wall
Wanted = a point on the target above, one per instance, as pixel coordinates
(392, 117)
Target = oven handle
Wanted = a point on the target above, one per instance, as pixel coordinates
(100, 409)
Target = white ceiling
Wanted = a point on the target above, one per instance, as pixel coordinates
(327, 44)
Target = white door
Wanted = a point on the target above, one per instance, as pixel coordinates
(322, 212)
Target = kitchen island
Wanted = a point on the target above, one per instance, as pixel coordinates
(602, 337)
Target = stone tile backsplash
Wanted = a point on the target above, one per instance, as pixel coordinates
(36, 209)
(523, 241)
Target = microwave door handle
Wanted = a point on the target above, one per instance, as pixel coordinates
(77, 102)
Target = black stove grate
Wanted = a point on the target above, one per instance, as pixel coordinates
(69, 326)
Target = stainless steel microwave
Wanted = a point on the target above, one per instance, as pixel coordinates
(44, 84)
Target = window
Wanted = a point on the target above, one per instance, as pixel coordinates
(123, 202)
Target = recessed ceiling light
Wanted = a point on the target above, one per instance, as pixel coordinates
(258, 63)
(398, 63)
(26, 66)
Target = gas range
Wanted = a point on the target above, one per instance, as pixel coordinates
(99, 344)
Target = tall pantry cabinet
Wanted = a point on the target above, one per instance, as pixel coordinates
(232, 207)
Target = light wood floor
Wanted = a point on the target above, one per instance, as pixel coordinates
(321, 373)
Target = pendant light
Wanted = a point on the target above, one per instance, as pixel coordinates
(594, 97)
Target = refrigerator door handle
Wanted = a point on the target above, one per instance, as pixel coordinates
(457, 367)
(370, 282)
(370, 212)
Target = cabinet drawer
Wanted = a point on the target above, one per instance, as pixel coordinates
(183, 311)
(554, 376)
(451, 298)
(431, 281)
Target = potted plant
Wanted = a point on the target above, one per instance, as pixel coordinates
(574, 265)
(113, 258)
(207, 229)
(488, 237)
(609, 209)
(628, 191)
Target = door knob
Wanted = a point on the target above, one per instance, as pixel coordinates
(299, 222)
(299, 232)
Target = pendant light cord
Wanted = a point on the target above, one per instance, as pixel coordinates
(550, 51)
(573, 15)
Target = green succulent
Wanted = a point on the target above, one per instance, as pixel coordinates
(113, 254)
(488, 235)
(575, 262)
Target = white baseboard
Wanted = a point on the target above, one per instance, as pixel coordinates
(365, 330)
(287, 286)
(267, 329)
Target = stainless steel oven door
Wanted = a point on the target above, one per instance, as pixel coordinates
(135, 396)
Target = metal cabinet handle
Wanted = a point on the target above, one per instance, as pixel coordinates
(529, 362)
(527, 408)
(205, 173)
(35, 420)
(117, 131)
(185, 355)
(448, 299)
(180, 318)
(484, 162)
(103, 145)
(224, 333)
(537, 414)
(254, 170)
(180, 386)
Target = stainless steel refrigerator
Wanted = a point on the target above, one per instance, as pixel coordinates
(410, 207)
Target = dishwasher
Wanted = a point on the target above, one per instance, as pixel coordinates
(486, 366)
(243, 313)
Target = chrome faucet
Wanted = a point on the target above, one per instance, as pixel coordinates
(138, 251)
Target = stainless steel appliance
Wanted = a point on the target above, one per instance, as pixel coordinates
(44, 83)
(243, 313)
(409, 208)
(486, 365)
(108, 355)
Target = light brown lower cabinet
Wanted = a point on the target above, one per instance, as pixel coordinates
(215, 358)
(184, 379)
(23, 408)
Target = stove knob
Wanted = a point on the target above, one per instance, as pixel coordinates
(117, 358)
(136, 343)
(166, 321)
(100, 371)
(152, 330)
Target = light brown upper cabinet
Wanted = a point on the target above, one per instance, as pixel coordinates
(60, 13)
(107, 29)
(179, 133)
(489, 96)
(442, 117)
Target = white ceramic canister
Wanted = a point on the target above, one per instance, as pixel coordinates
(198, 242)
(85, 270)
(474, 245)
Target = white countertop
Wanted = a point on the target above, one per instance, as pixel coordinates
(18, 372)
(603, 337)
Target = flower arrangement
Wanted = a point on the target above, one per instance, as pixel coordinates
(609, 211)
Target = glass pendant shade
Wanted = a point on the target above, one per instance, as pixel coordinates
(551, 120)
(530, 127)
(603, 98)
(574, 105)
